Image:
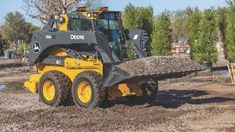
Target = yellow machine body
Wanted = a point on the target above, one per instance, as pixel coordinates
(73, 67)
(64, 26)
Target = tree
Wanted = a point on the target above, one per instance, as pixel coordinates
(16, 33)
(16, 29)
(2, 44)
(179, 26)
(43, 9)
(129, 17)
(230, 32)
(220, 23)
(194, 17)
(161, 37)
(230, 40)
(93, 4)
(138, 18)
(205, 49)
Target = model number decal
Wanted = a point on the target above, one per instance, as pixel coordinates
(77, 37)
(48, 37)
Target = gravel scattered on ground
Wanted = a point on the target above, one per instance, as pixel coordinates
(179, 107)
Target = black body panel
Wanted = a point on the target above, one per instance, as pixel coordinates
(140, 41)
(44, 40)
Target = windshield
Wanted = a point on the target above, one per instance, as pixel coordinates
(110, 24)
(80, 24)
(109, 21)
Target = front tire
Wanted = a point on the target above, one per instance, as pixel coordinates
(54, 88)
(87, 91)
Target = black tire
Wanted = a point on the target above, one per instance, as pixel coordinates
(149, 90)
(62, 86)
(98, 93)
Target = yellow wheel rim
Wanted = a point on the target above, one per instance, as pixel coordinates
(48, 90)
(84, 92)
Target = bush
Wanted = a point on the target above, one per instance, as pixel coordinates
(230, 38)
(161, 37)
(130, 50)
(23, 50)
(2, 45)
(204, 49)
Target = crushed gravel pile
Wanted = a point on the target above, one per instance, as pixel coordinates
(159, 65)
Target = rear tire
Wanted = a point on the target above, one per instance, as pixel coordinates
(54, 88)
(149, 90)
(87, 91)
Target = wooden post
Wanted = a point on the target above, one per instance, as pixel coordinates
(231, 69)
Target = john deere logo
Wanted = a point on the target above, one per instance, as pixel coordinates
(77, 37)
(36, 47)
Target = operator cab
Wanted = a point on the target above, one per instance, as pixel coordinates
(109, 23)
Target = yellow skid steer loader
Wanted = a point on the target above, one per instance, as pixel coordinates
(83, 56)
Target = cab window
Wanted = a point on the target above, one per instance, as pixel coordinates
(80, 25)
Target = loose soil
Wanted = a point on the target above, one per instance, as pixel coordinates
(196, 103)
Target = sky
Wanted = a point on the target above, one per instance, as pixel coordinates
(158, 5)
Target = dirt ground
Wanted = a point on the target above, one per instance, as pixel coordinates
(196, 103)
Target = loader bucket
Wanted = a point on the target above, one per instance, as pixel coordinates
(159, 68)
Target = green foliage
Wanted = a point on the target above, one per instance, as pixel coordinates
(130, 51)
(94, 4)
(16, 32)
(138, 18)
(129, 17)
(15, 27)
(205, 48)
(23, 49)
(161, 37)
(230, 37)
(220, 22)
(194, 17)
(2, 44)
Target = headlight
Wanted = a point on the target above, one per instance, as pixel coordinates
(89, 15)
(95, 15)
(62, 20)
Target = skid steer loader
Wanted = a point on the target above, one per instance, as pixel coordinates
(77, 54)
